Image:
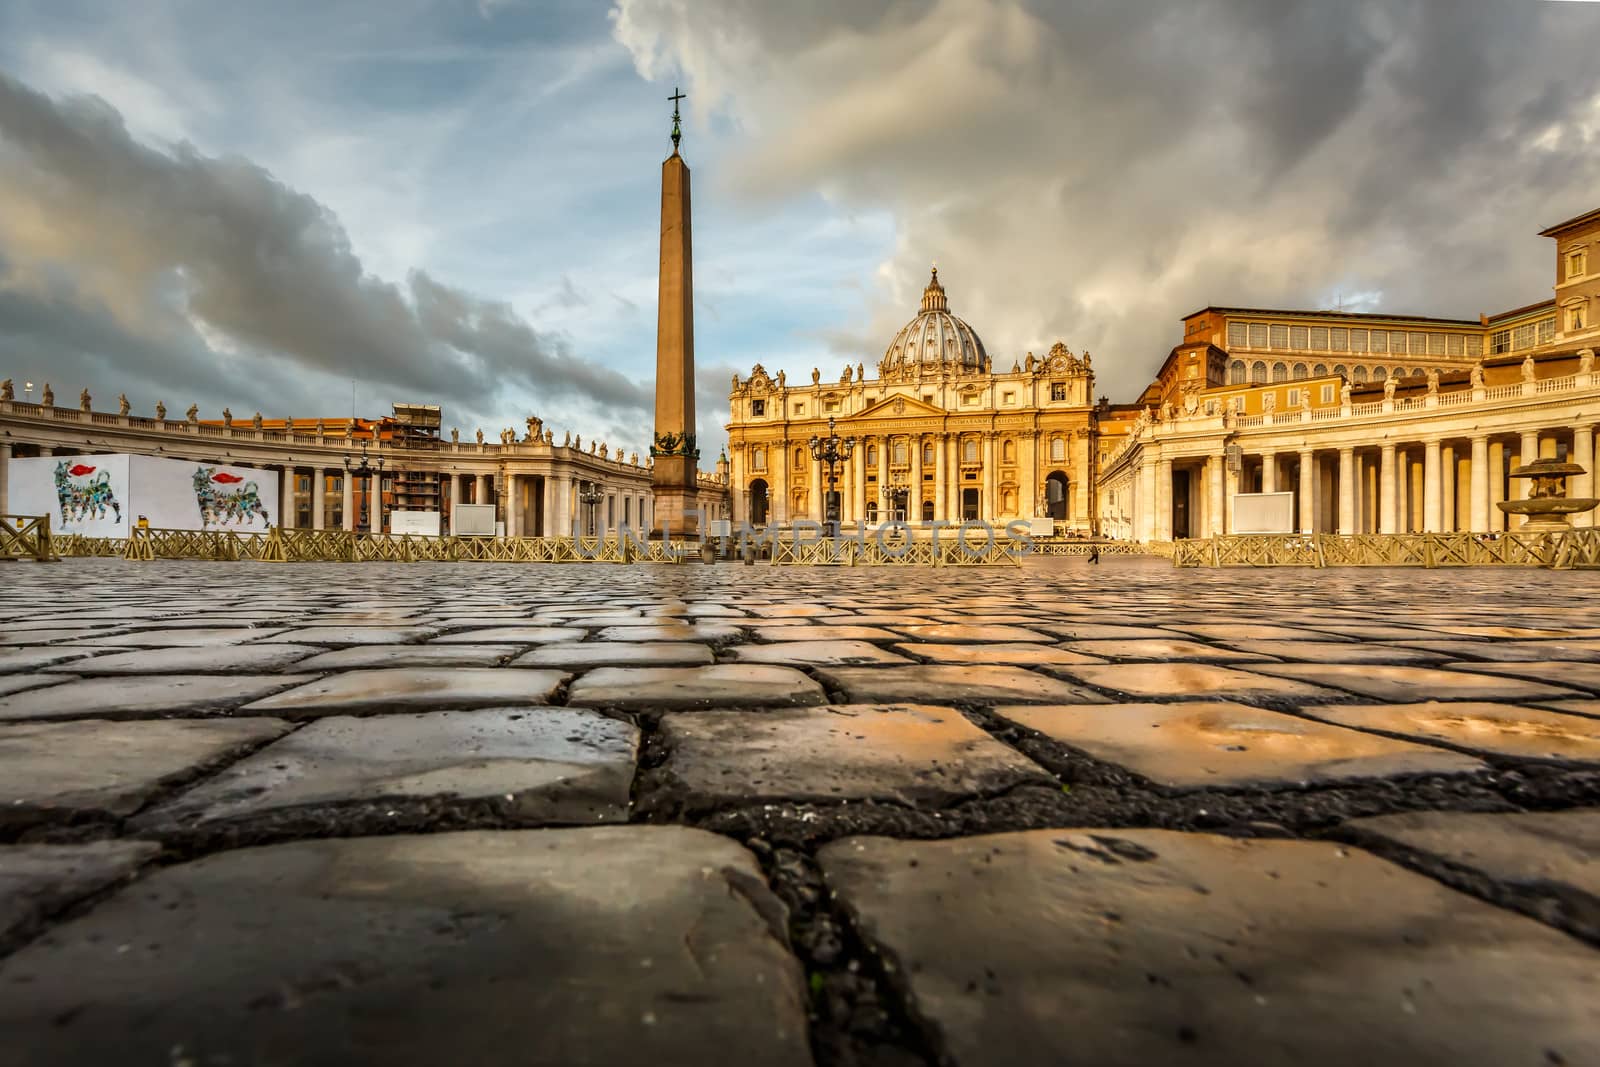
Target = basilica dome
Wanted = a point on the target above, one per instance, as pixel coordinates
(935, 338)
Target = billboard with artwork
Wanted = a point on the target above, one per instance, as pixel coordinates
(102, 496)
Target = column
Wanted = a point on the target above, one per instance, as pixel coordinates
(1028, 461)
(1402, 491)
(1347, 491)
(1216, 504)
(814, 491)
(1386, 490)
(989, 509)
(5, 479)
(1527, 452)
(1269, 472)
(1447, 489)
(1163, 499)
(858, 483)
(1496, 473)
(513, 505)
(549, 528)
(941, 476)
(780, 479)
(1145, 501)
(349, 482)
(1432, 491)
(286, 509)
(1308, 490)
(480, 489)
(1582, 484)
(914, 501)
(319, 498)
(375, 503)
(883, 477)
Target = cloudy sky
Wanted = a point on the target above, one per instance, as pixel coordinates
(277, 206)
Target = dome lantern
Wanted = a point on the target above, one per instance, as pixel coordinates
(935, 339)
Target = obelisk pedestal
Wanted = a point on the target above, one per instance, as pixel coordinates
(674, 453)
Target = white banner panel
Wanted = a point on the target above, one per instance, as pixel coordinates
(188, 495)
(1263, 513)
(82, 494)
(473, 520)
(420, 523)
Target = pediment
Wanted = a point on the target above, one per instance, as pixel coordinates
(895, 407)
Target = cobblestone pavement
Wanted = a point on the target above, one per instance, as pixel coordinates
(472, 814)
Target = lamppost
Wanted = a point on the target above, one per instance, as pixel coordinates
(365, 469)
(895, 497)
(830, 450)
(589, 493)
(27, 391)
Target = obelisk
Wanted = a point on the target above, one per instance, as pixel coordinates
(675, 456)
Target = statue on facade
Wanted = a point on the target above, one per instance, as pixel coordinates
(1433, 380)
(227, 418)
(535, 428)
(861, 372)
(161, 410)
(1269, 401)
(49, 397)
(83, 400)
(1528, 370)
(577, 442)
(549, 436)
(480, 435)
(193, 414)
(1305, 400)
(845, 378)
(633, 459)
(603, 450)
(1586, 361)
(322, 427)
(123, 407)
(1476, 375)
(1028, 364)
(6, 390)
(816, 376)
(255, 421)
(591, 447)
(781, 379)
(1169, 412)
(566, 439)
(735, 388)
(1085, 361)
(1389, 385)
(350, 431)
(455, 434)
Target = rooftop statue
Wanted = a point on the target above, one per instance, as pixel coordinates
(161, 410)
(49, 397)
(6, 390)
(193, 414)
(83, 400)
(123, 407)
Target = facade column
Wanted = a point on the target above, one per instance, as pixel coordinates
(480, 489)
(989, 509)
(1347, 491)
(349, 516)
(1527, 452)
(1028, 462)
(1386, 490)
(548, 527)
(858, 483)
(455, 501)
(914, 501)
(1478, 518)
(1144, 510)
(1402, 491)
(941, 476)
(513, 505)
(1447, 489)
(1308, 491)
(375, 502)
(319, 498)
(286, 508)
(1163, 499)
(1497, 485)
(1216, 511)
(883, 477)
(1582, 455)
(1432, 491)
(1269, 472)
(5, 479)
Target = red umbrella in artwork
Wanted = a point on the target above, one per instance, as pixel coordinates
(80, 470)
(226, 479)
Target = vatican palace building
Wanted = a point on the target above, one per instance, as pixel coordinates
(1380, 423)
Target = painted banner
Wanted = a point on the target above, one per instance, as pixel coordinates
(81, 494)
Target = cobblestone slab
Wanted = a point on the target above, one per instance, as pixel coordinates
(1324, 651)
(181, 659)
(1138, 947)
(32, 659)
(1496, 729)
(146, 694)
(551, 765)
(36, 880)
(826, 653)
(913, 754)
(1576, 675)
(657, 945)
(17, 683)
(1201, 745)
(342, 636)
(1571, 651)
(413, 688)
(515, 635)
(1000, 655)
(825, 632)
(685, 688)
(939, 684)
(111, 768)
(185, 637)
(1535, 849)
(1193, 681)
(957, 632)
(709, 631)
(367, 656)
(1234, 632)
(616, 654)
(1165, 650)
(1415, 683)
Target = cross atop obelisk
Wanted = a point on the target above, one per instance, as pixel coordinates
(674, 455)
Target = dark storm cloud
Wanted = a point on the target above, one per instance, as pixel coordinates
(1090, 170)
(195, 274)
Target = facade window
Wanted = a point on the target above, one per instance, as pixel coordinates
(1452, 344)
(1299, 338)
(1238, 403)
(969, 450)
(799, 408)
(1258, 373)
(1299, 371)
(1258, 335)
(1058, 450)
(1280, 335)
(1008, 452)
(1237, 372)
(1436, 344)
(1473, 345)
(1500, 341)
(1320, 369)
(1359, 374)
(1010, 398)
(1522, 337)
(1339, 339)
(1358, 340)
(758, 408)
(1575, 319)
(927, 398)
(1577, 264)
(927, 453)
(830, 405)
(1546, 331)
(1341, 370)
(388, 484)
(758, 458)
(1294, 398)
(872, 455)
(1378, 341)
(1380, 373)
(1327, 394)
(799, 458)
(872, 511)
(1280, 372)
(1237, 336)
(302, 483)
(898, 456)
(1211, 408)
(336, 484)
(1058, 390)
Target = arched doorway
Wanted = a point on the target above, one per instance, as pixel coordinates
(1055, 495)
(758, 502)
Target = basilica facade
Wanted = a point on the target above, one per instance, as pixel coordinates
(939, 434)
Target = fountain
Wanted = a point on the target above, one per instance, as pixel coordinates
(1548, 504)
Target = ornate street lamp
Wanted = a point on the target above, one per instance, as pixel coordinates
(365, 469)
(27, 391)
(896, 497)
(830, 450)
(589, 493)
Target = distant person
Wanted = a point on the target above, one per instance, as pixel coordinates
(1094, 553)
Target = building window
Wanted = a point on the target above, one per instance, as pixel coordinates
(799, 408)
(1238, 403)
(1008, 452)
(1377, 341)
(1546, 331)
(927, 453)
(1058, 450)
(1339, 339)
(1522, 337)
(927, 398)
(1283, 337)
(1058, 390)
(1473, 345)
(1358, 340)
(969, 450)
(1327, 394)
(1211, 408)
(1299, 371)
(1297, 338)
(1258, 335)
(1379, 373)
(872, 511)
(830, 405)
(1294, 398)
(898, 456)
(1258, 373)
(799, 457)
(1577, 264)
(1236, 335)
(758, 458)
(302, 483)
(1010, 398)
(1320, 369)
(872, 455)
(758, 408)
(1397, 342)
(1359, 374)
(1237, 372)
(1500, 341)
(1280, 372)
(1437, 345)
(337, 484)
(1452, 344)
(1575, 319)
(388, 484)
